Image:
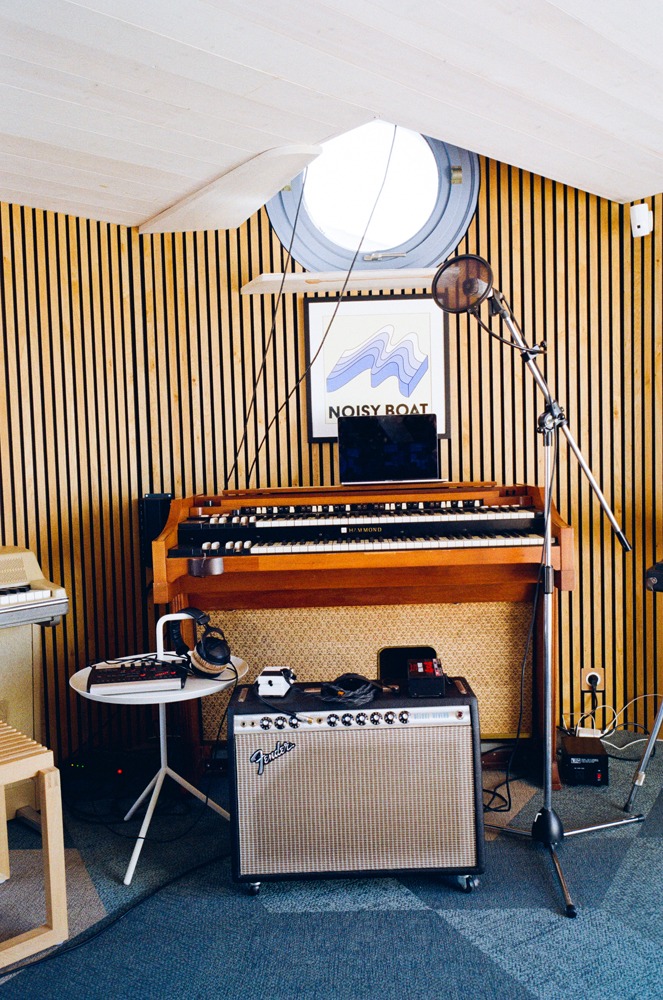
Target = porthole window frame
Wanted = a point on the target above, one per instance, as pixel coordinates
(445, 227)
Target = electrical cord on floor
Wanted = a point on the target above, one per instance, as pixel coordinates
(107, 922)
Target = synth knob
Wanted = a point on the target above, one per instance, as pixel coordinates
(333, 720)
(347, 719)
(390, 718)
(265, 722)
(280, 722)
(404, 717)
(361, 718)
(376, 718)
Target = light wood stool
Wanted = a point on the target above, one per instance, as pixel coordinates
(22, 758)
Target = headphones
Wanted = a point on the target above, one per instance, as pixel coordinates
(211, 652)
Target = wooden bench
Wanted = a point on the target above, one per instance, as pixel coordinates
(22, 758)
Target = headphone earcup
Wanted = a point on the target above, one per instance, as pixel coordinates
(211, 654)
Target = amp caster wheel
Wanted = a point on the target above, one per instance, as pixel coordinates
(468, 883)
(254, 888)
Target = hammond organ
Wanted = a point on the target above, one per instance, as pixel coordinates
(388, 544)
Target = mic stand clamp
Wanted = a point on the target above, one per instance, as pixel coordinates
(552, 417)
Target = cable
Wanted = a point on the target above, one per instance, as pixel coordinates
(312, 361)
(270, 337)
(506, 799)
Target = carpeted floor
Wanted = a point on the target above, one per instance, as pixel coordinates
(201, 936)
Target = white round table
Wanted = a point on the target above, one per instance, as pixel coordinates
(194, 687)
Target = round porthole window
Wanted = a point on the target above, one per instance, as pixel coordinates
(406, 198)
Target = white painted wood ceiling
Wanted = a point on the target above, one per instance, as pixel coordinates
(121, 110)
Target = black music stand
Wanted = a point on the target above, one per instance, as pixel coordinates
(460, 285)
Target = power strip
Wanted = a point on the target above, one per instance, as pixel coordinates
(581, 731)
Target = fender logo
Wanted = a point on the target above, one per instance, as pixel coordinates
(261, 758)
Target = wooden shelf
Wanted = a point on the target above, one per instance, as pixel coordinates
(333, 281)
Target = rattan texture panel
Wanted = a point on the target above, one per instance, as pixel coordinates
(485, 643)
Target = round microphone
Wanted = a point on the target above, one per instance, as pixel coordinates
(462, 283)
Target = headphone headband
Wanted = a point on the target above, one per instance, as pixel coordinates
(211, 653)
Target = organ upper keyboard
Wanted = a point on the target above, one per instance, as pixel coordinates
(25, 596)
(308, 546)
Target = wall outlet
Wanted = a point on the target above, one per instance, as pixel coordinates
(588, 672)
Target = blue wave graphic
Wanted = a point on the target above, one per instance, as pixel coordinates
(404, 361)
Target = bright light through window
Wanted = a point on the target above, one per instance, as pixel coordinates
(342, 185)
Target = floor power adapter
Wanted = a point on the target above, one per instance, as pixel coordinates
(583, 761)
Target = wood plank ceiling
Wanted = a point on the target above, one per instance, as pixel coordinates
(118, 111)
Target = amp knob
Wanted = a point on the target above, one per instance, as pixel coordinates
(390, 718)
(403, 716)
(376, 718)
(280, 722)
(265, 723)
(347, 719)
(333, 720)
(361, 718)
(294, 722)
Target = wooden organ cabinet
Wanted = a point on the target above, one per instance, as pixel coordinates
(388, 546)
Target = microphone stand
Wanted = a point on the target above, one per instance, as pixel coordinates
(547, 828)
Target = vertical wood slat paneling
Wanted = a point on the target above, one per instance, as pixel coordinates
(70, 454)
(130, 364)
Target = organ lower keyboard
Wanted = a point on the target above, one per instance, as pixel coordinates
(317, 546)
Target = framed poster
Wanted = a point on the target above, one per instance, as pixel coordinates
(376, 356)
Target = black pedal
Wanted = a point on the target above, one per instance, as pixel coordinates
(426, 679)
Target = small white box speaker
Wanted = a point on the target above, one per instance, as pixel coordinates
(319, 790)
(642, 220)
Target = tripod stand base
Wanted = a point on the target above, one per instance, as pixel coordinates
(547, 829)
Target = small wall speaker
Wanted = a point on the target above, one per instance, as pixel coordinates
(642, 219)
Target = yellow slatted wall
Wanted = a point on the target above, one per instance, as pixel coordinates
(133, 365)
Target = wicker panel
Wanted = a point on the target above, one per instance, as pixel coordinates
(483, 642)
(358, 801)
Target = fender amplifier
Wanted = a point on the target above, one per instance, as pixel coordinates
(319, 789)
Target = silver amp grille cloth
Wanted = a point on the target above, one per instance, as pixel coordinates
(353, 800)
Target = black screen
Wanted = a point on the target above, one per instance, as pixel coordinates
(388, 449)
